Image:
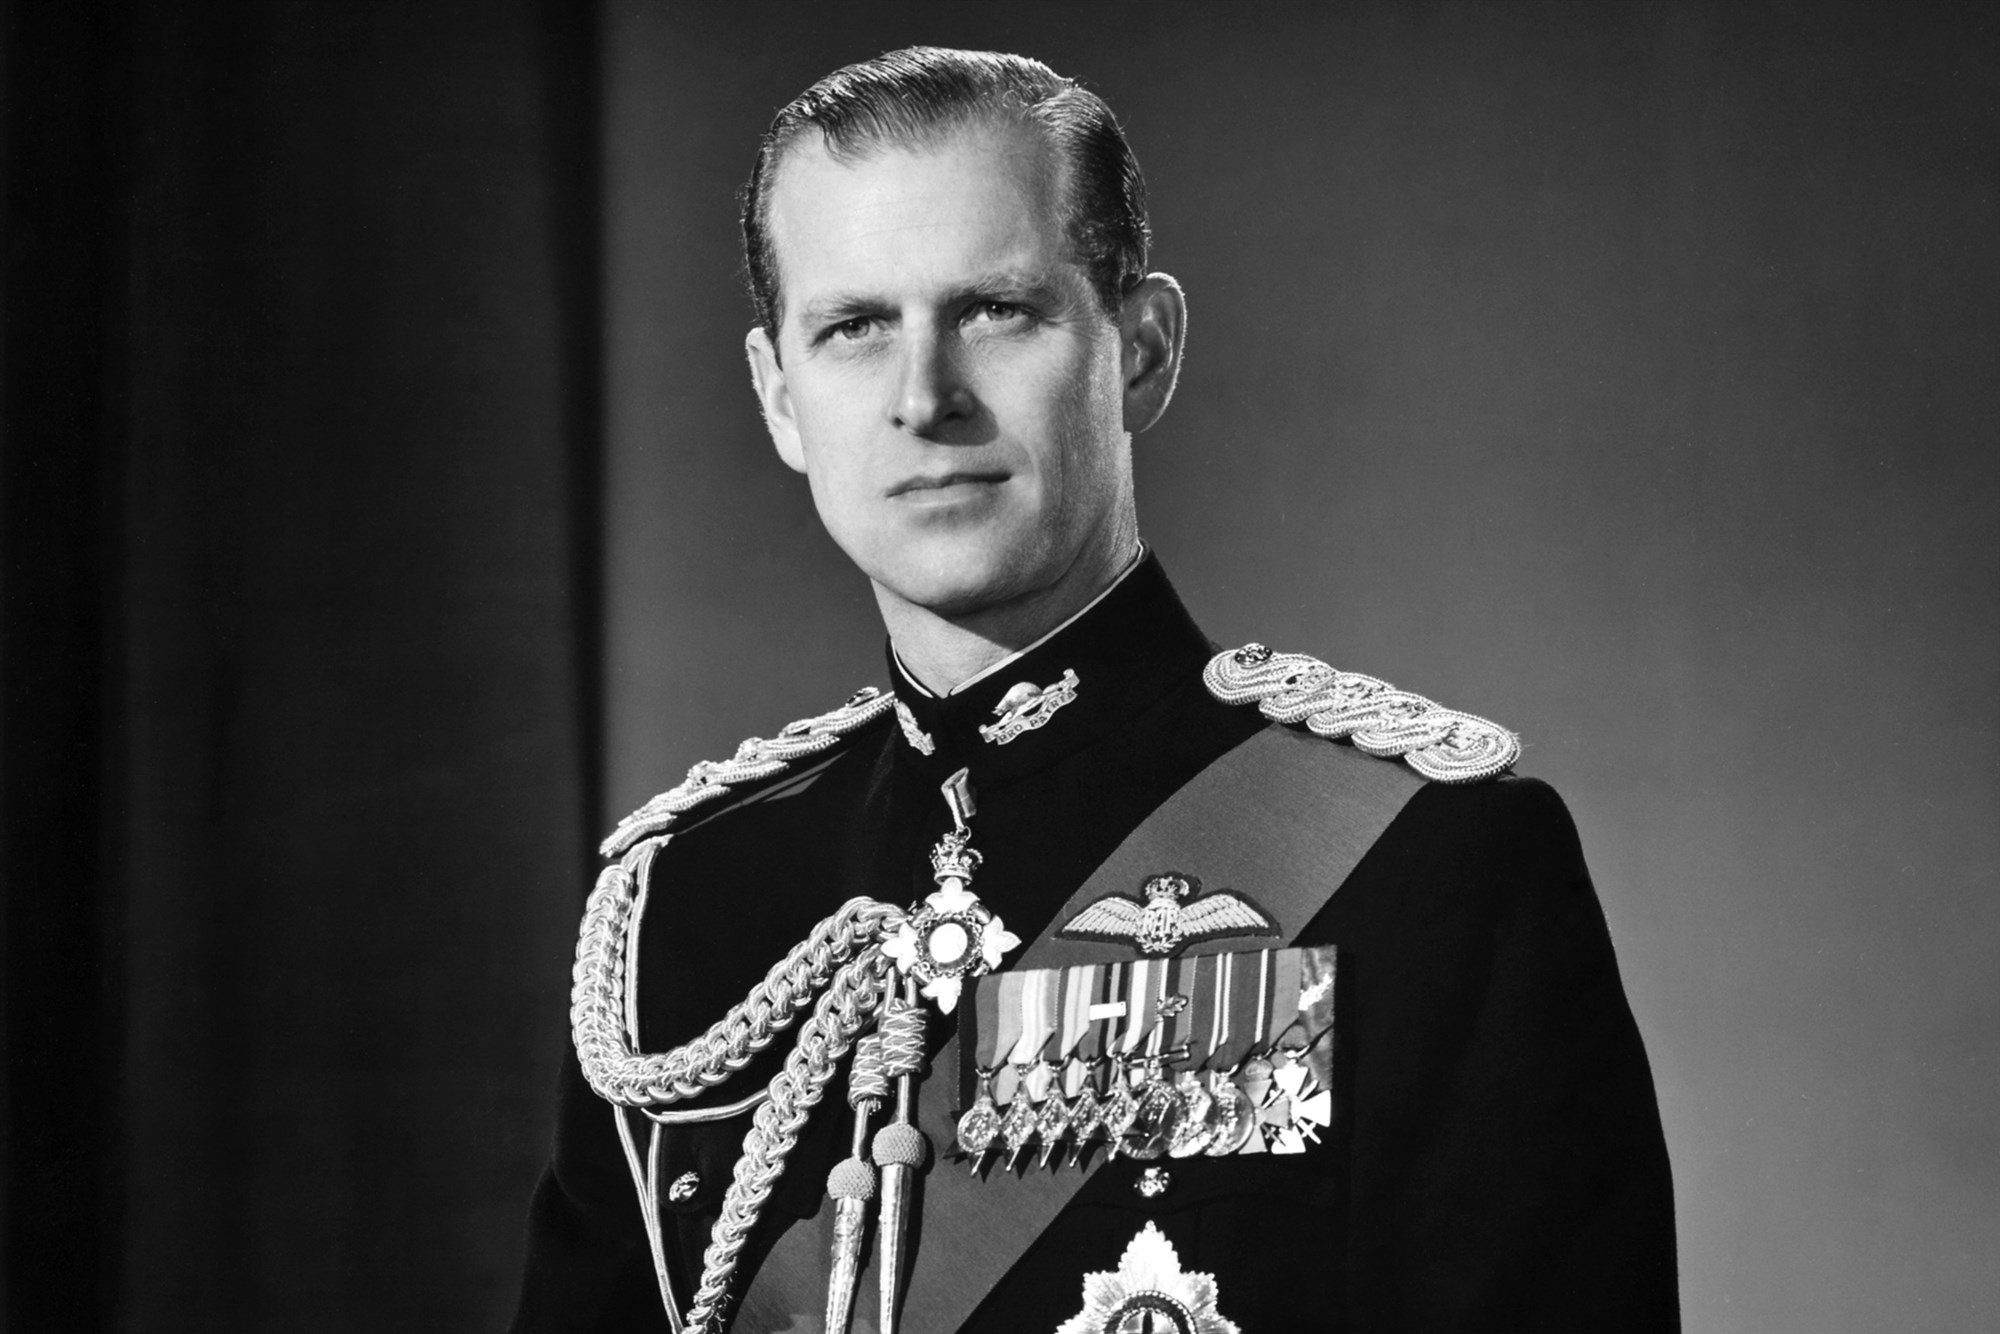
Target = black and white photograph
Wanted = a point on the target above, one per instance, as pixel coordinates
(1038, 669)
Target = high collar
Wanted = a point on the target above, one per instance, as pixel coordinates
(1125, 653)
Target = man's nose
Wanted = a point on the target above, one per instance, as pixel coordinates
(932, 392)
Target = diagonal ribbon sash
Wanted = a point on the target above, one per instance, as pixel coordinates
(1285, 817)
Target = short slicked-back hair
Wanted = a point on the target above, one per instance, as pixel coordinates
(920, 94)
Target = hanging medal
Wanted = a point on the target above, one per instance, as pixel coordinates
(1072, 988)
(979, 1129)
(1302, 1104)
(1300, 1110)
(1119, 1106)
(952, 936)
(979, 1124)
(1193, 1133)
(1255, 1081)
(1231, 1117)
(1292, 1104)
(1034, 1002)
(1155, 1118)
(1087, 1109)
(1017, 1127)
(1086, 1112)
(1159, 1110)
(1317, 969)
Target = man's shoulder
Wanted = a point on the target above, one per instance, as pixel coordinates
(759, 766)
(1430, 789)
(1444, 745)
(1507, 815)
(728, 870)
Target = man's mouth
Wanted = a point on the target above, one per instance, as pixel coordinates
(936, 485)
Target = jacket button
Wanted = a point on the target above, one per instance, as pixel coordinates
(1153, 1183)
(683, 1188)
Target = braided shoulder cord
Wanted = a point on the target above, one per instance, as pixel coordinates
(617, 1072)
(856, 993)
(840, 963)
(1442, 744)
(755, 760)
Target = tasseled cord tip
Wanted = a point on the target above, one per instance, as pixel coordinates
(898, 1144)
(852, 1179)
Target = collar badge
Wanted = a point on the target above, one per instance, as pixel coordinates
(1027, 706)
(1149, 1293)
(920, 740)
(1174, 912)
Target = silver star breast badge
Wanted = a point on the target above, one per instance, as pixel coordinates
(1149, 1293)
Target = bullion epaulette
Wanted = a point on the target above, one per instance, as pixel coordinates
(1441, 744)
(756, 759)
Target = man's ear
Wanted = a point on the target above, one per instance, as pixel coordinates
(775, 398)
(1152, 326)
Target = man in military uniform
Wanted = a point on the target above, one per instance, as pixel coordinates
(1089, 979)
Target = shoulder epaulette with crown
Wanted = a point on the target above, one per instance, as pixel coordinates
(1441, 744)
(756, 759)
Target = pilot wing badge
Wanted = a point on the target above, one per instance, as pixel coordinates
(1174, 912)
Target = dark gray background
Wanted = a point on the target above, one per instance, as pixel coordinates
(386, 509)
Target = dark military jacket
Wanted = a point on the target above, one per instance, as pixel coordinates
(1496, 1160)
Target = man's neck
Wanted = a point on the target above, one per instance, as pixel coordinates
(944, 653)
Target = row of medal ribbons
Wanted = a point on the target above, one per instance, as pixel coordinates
(1211, 1054)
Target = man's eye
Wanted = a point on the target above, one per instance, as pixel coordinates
(849, 330)
(994, 312)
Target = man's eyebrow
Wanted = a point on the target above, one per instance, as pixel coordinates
(1013, 283)
(834, 307)
(837, 306)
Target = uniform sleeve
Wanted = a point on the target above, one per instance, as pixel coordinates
(1509, 1170)
(589, 1267)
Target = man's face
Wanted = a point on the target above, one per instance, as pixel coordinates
(947, 380)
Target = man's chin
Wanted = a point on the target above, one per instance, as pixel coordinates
(956, 590)
(948, 570)
(957, 600)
